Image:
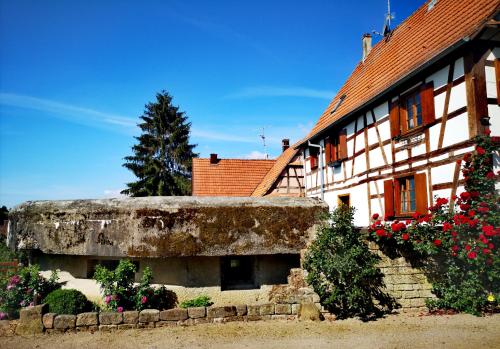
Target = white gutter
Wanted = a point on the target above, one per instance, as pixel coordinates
(320, 168)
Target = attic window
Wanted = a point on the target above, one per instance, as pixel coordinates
(431, 5)
(337, 105)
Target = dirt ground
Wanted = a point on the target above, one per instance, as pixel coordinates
(401, 331)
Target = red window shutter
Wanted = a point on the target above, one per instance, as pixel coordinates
(421, 193)
(313, 160)
(328, 149)
(427, 102)
(497, 73)
(394, 118)
(389, 198)
(343, 144)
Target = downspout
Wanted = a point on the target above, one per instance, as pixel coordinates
(322, 176)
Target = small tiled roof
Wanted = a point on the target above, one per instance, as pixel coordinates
(281, 162)
(421, 37)
(228, 177)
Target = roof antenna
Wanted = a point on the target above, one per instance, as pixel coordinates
(263, 137)
(386, 30)
(387, 25)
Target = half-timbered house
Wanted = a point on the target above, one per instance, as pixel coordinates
(390, 139)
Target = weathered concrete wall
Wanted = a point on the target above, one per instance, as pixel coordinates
(165, 226)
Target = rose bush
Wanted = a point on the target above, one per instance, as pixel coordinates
(463, 235)
(23, 288)
(121, 293)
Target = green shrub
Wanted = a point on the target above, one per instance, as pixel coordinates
(23, 288)
(121, 293)
(201, 301)
(343, 271)
(67, 302)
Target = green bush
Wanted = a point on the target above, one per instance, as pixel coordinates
(201, 301)
(67, 302)
(121, 293)
(343, 271)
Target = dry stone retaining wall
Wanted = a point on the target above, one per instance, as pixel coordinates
(151, 318)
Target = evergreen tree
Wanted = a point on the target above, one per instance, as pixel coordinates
(162, 159)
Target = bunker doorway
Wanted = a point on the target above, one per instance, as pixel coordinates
(238, 273)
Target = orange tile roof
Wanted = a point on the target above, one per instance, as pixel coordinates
(229, 177)
(421, 37)
(281, 162)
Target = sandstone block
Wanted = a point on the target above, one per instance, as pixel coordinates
(64, 322)
(126, 326)
(253, 310)
(108, 328)
(149, 315)
(130, 317)
(241, 310)
(162, 323)
(174, 314)
(48, 320)
(197, 312)
(32, 313)
(410, 294)
(267, 309)
(417, 302)
(221, 312)
(295, 308)
(403, 287)
(283, 309)
(110, 318)
(146, 324)
(87, 319)
(309, 311)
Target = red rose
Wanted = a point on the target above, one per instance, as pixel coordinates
(416, 215)
(483, 209)
(487, 131)
(489, 261)
(454, 234)
(465, 196)
(472, 255)
(455, 248)
(490, 175)
(447, 226)
(467, 157)
(480, 150)
(475, 194)
(375, 216)
(467, 247)
(472, 213)
(491, 246)
(488, 230)
(405, 236)
(486, 251)
(464, 207)
(380, 232)
(437, 242)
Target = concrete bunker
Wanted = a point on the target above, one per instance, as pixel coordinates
(225, 247)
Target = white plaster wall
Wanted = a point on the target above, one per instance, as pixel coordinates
(457, 130)
(494, 114)
(443, 174)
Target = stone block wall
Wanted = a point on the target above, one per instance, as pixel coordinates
(33, 319)
(408, 285)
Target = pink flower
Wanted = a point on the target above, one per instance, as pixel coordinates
(107, 299)
(144, 299)
(119, 309)
(3, 315)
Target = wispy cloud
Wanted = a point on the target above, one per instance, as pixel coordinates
(277, 91)
(69, 112)
(255, 154)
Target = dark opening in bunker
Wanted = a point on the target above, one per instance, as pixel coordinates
(237, 273)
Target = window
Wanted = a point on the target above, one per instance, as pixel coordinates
(237, 272)
(313, 157)
(412, 110)
(336, 147)
(406, 195)
(344, 200)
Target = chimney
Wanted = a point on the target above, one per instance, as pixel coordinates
(285, 143)
(367, 45)
(213, 159)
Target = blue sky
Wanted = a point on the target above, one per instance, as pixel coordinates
(75, 76)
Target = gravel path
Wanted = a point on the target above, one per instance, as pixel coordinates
(401, 331)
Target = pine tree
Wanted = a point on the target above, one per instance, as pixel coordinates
(162, 159)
